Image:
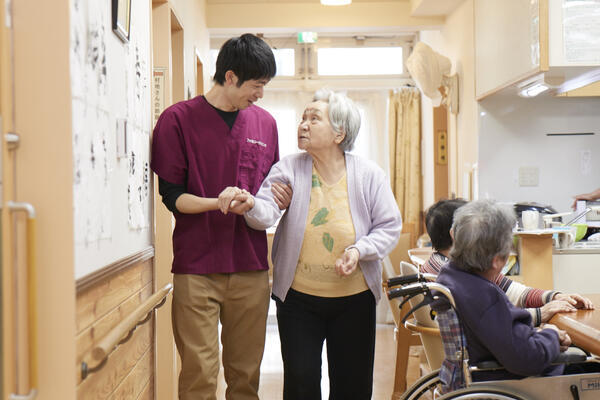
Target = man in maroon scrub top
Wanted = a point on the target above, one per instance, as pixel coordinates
(201, 150)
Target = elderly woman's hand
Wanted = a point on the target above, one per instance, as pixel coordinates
(282, 194)
(348, 262)
(226, 197)
(241, 203)
(575, 300)
(555, 306)
(564, 340)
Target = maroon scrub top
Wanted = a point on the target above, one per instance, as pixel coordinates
(193, 146)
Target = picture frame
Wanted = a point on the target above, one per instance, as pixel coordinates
(121, 18)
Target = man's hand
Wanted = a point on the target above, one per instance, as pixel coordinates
(226, 197)
(242, 203)
(555, 306)
(575, 300)
(563, 337)
(586, 196)
(348, 262)
(282, 194)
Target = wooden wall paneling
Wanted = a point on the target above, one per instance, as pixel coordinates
(148, 392)
(101, 305)
(135, 383)
(121, 363)
(100, 299)
(87, 338)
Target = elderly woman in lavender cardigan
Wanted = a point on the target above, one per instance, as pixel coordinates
(342, 220)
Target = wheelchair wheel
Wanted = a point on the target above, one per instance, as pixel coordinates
(421, 386)
(483, 392)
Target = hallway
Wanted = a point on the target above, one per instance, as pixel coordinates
(271, 380)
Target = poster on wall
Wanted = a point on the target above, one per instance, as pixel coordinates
(158, 92)
(111, 121)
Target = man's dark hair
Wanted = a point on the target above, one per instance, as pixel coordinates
(438, 222)
(248, 56)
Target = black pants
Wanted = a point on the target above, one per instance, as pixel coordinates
(348, 325)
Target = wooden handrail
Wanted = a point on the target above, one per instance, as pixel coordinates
(414, 326)
(123, 331)
(25, 319)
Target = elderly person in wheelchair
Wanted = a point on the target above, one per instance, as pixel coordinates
(486, 338)
(541, 304)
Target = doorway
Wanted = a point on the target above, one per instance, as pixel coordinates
(199, 75)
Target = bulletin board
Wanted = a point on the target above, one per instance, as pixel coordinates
(111, 120)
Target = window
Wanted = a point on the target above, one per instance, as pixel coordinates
(360, 61)
(379, 57)
(284, 59)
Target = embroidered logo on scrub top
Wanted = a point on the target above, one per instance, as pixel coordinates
(258, 142)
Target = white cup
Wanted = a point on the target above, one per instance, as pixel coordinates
(566, 239)
(531, 219)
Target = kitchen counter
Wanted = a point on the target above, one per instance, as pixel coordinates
(576, 269)
(580, 248)
(572, 270)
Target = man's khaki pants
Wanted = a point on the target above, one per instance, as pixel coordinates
(240, 301)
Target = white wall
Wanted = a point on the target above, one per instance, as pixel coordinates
(455, 41)
(513, 134)
(192, 16)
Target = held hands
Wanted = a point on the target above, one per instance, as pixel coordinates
(563, 337)
(348, 262)
(235, 200)
(238, 201)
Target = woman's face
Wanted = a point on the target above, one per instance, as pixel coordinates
(315, 132)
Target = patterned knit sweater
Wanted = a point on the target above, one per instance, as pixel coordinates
(520, 295)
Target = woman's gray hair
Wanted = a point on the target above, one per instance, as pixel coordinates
(482, 230)
(343, 115)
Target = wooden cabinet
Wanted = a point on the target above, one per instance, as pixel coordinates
(535, 259)
(522, 42)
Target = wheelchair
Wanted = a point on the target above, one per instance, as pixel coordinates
(446, 383)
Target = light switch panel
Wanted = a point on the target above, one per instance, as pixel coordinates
(529, 176)
(121, 137)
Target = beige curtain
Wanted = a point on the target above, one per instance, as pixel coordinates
(405, 156)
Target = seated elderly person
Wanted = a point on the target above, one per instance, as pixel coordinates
(542, 304)
(494, 328)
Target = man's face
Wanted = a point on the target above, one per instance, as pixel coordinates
(247, 93)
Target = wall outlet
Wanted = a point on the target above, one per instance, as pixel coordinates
(529, 176)
(585, 162)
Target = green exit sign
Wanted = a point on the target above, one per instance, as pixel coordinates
(307, 37)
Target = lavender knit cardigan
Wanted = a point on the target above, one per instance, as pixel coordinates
(374, 211)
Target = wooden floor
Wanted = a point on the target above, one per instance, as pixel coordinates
(271, 379)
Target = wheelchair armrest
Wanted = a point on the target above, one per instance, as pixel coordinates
(491, 364)
(570, 356)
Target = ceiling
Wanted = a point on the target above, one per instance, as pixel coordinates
(425, 8)
(292, 1)
(420, 8)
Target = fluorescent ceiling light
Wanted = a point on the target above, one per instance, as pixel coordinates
(335, 2)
